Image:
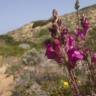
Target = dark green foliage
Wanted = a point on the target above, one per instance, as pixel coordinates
(61, 92)
(40, 23)
(21, 90)
(86, 88)
(91, 40)
(9, 50)
(8, 39)
(41, 37)
(43, 32)
(9, 47)
(56, 88)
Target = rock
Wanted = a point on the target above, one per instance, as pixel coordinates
(24, 46)
(3, 69)
(6, 85)
(1, 60)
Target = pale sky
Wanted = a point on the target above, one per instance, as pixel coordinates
(15, 13)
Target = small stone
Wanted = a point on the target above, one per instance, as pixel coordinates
(24, 46)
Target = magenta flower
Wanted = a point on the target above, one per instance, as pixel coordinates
(94, 58)
(85, 25)
(63, 34)
(62, 38)
(57, 47)
(70, 42)
(74, 55)
(64, 31)
(59, 60)
(50, 53)
(77, 55)
(79, 33)
(53, 50)
(87, 51)
(56, 44)
(58, 50)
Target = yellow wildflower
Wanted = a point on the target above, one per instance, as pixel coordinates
(66, 84)
(79, 81)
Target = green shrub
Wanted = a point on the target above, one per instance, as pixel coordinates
(8, 39)
(13, 69)
(43, 32)
(10, 50)
(40, 23)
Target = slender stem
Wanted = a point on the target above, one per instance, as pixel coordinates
(77, 16)
(72, 77)
(74, 83)
(92, 73)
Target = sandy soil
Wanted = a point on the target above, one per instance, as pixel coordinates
(6, 82)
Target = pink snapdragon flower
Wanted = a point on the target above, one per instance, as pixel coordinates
(87, 51)
(63, 34)
(53, 50)
(62, 39)
(64, 31)
(85, 24)
(56, 44)
(70, 42)
(79, 33)
(50, 53)
(58, 50)
(94, 58)
(74, 55)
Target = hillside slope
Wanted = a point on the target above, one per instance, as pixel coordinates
(30, 31)
(24, 65)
